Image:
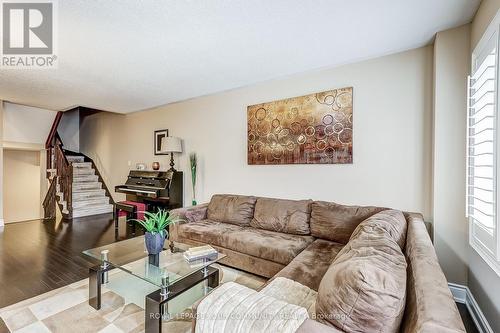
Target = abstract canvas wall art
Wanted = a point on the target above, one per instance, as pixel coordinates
(310, 129)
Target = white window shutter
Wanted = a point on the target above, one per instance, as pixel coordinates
(482, 152)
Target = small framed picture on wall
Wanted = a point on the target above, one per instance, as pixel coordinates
(159, 135)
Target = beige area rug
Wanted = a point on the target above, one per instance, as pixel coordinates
(66, 309)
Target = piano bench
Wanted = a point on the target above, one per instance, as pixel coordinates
(129, 208)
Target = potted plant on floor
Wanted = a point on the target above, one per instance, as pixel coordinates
(156, 226)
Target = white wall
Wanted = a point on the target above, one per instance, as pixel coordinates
(451, 67)
(392, 137)
(26, 124)
(21, 188)
(482, 19)
(69, 130)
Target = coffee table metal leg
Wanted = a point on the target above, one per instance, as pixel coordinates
(156, 302)
(98, 275)
(95, 281)
(213, 279)
(154, 313)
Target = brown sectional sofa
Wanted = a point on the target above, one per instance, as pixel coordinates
(306, 240)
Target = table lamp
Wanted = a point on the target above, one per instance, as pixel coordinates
(171, 145)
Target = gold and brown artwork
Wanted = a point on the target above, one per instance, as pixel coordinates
(310, 129)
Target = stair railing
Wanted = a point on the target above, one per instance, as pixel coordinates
(50, 200)
(64, 173)
(51, 140)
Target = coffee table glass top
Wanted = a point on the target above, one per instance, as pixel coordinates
(131, 256)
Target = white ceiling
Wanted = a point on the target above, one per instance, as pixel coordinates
(125, 56)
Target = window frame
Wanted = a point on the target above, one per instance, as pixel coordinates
(490, 254)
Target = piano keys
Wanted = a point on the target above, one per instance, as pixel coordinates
(157, 189)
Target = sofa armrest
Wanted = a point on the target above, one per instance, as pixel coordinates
(191, 213)
(430, 306)
(186, 215)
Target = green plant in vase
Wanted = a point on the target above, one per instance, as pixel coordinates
(156, 226)
(193, 163)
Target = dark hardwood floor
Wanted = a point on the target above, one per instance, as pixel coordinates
(39, 256)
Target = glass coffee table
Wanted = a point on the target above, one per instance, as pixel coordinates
(168, 271)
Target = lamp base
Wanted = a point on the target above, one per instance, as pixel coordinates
(172, 162)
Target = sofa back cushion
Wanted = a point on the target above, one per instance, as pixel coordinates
(391, 221)
(287, 216)
(336, 222)
(229, 208)
(364, 289)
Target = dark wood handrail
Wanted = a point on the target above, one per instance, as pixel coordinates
(49, 143)
(58, 166)
(65, 174)
(59, 144)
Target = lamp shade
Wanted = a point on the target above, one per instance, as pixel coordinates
(171, 144)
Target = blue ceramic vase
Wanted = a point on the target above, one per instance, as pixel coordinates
(154, 242)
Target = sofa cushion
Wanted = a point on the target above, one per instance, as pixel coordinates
(337, 222)
(364, 289)
(288, 216)
(391, 221)
(206, 231)
(265, 244)
(235, 209)
(311, 264)
(232, 307)
(274, 246)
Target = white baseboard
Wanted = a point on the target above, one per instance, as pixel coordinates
(459, 292)
(2, 223)
(462, 294)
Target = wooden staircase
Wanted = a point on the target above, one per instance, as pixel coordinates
(75, 183)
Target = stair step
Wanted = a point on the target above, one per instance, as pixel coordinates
(75, 158)
(82, 165)
(92, 210)
(83, 171)
(85, 195)
(78, 187)
(92, 201)
(85, 178)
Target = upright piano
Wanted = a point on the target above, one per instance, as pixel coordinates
(157, 189)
